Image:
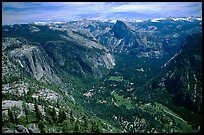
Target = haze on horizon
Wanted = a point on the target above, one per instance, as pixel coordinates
(26, 12)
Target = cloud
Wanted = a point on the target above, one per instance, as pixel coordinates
(24, 12)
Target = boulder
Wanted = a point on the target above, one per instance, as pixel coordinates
(15, 131)
(25, 131)
(20, 128)
(33, 129)
(8, 131)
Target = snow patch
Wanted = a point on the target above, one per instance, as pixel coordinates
(113, 21)
(139, 21)
(157, 19)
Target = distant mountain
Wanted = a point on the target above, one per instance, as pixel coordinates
(152, 38)
(147, 74)
(144, 39)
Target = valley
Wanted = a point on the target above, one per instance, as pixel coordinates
(98, 76)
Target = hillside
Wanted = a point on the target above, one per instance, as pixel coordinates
(100, 76)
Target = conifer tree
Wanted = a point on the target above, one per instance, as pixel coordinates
(77, 127)
(71, 116)
(38, 113)
(67, 127)
(54, 115)
(11, 116)
(41, 126)
(26, 110)
(48, 112)
(62, 115)
(16, 112)
(58, 106)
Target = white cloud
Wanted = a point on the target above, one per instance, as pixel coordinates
(24, 11)
(138, 7)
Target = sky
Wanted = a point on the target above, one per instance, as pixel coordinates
(26, 12)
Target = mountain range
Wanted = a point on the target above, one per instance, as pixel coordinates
(147, 74)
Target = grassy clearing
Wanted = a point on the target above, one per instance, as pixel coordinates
(183, 126)
(122, 101)
(116, 78)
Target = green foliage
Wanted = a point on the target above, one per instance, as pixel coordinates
(156, 109)
(62, 115)
(71, 116)
(38, 113)
(5, 119)
(54, 115)
(41, 126)
(122, 101)
(26, 110)
(6, 96)
(48, 114)
(10, 79)
(95, 127)
(67, 126)
(116, 78)
(16, 112)
(11, 96)
(84, 124)
(58, 105)
(77, 127)
(22, 120)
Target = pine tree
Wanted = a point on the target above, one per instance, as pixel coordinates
(62, 115)
(67, 127)
(71, 116)
(5, 119)
(48, 112)
(77, 127)
(11, 116)
(58, 106)
(26, 110)
(41, 126)
(54, 115)
(16, 112)
(38, 113)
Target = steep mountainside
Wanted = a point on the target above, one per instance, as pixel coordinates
(48, 66)
(102, 76)
(45, 49)
(180, 82)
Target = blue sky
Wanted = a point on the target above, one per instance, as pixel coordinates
(26, 12)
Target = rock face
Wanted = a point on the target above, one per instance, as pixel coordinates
(120, 38)
(140, 39)
(34, 61)
(143, 39)
(22, 54)
(123, 29)
(74, 51)
(182, 77)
